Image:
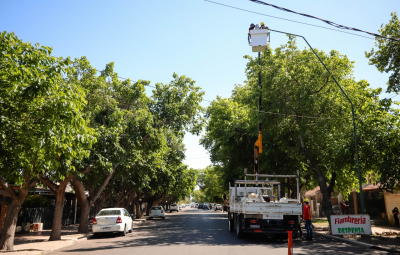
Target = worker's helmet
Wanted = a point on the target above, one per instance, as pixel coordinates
(252, 24)
(262, 23)
(305, 200)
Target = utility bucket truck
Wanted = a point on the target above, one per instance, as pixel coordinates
(256, 206)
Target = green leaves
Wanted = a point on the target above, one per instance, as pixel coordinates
(387, 57)
(40, 113)
(299, 98)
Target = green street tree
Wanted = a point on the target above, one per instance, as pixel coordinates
(306, 121)
(212, 184)
(40, 118)
(387, 57)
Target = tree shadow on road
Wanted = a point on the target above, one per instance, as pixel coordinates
(211, 229)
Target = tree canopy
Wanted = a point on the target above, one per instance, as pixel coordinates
(387, 56)
(306, 121)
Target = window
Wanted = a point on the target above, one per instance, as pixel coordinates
(109, 213)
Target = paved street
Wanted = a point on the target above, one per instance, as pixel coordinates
(193, 231)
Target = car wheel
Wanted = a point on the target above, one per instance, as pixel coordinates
(150, 218)
(130, 231)
(123, 233)
(96, 235)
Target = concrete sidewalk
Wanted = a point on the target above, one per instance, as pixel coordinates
(384, 236)
(33, 243)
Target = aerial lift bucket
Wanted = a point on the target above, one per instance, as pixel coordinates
(259, 39)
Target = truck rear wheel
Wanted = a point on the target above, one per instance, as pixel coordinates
(231, 225)
(239, 231)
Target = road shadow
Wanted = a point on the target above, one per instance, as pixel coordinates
(210, 229)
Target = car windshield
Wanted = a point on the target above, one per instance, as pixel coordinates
(156, 208)
(109, 213)
(173, 205)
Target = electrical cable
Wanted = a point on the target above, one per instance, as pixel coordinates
(326, 21)
(308, 24)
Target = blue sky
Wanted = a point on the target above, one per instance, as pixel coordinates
(150, 40)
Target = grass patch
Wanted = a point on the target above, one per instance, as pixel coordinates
(320, 221)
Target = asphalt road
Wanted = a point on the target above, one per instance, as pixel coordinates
(198, 232)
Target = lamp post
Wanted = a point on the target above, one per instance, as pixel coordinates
(352, 111)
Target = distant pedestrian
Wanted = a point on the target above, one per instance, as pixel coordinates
(396, 216)
(343, 207)
(307, 218)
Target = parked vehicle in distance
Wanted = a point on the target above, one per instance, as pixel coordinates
(174, 207)
(112, 220)
(183, 205)
(196, 205)
(205, 207)
(200, 206)
(157, 212)
(218, 207)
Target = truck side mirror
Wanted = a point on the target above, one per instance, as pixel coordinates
(224, 196)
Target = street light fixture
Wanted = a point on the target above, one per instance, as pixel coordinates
(352, 111)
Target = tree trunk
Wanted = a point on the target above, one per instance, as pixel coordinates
(10, 223)
(150, 202)
(99, 204)
(87, 202)
(84, 204)
(130, 199)
(138, 209)
(8, 233)
(326, 194)
(59, 192)
(55, 234)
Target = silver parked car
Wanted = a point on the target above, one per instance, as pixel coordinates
(112, 220)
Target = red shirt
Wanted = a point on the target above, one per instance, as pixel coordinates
(307, 212)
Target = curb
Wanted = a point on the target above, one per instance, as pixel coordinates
(21, 250)
(372, 246)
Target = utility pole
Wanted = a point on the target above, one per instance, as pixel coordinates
(259, 39)
(258, 144)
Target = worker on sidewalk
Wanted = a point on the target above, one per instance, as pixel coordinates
(307, 218)
(396, 216)
(343, 207)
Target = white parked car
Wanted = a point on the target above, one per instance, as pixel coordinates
(218, 207)
(174, 207)
(157, 212)
(112, 220)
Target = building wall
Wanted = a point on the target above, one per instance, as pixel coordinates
(391, 201)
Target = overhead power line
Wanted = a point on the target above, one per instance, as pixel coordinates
(299, 22)
(326, 21)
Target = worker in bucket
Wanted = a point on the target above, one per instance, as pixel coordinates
(263, 26)
(252, 26)
(307, 218)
